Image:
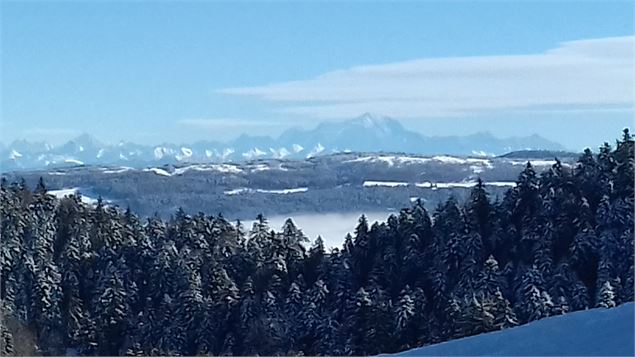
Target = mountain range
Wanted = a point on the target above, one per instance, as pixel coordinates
(367, 133)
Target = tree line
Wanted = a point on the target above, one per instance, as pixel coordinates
(98, 280)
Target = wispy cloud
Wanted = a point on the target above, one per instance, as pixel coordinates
(585, 74)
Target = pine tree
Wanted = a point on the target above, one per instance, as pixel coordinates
(405, 312)
(111, 312)
(360, 324)
(606, 296)
(314, 263)
(624, 156)
(533, 303)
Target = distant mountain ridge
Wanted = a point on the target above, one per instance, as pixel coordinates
(367, 133)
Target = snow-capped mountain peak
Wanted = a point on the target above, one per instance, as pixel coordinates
(375, 122)
(366, 133)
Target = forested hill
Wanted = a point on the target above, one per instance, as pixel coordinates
(92, 279)
(346, 182)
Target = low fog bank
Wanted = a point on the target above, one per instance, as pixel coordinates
(331, 226)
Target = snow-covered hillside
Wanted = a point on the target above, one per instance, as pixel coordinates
(341, 183)
(596, 332)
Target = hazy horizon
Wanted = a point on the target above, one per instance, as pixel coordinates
(613, 133)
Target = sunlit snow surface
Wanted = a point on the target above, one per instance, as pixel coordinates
(71, 191)
(596, 332)
(436, 185)
(384, 183)
(117, 170)
(278, 192)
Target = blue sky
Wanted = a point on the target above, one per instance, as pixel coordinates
(182, 71)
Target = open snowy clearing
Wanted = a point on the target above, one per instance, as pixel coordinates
(285, 191)
(384, 183)
(71, 191)
(436, 185)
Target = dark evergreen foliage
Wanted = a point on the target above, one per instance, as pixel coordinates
(100, 280)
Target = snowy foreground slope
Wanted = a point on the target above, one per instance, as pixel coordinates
(596, 332)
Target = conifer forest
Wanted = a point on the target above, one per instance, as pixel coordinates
(99, 280)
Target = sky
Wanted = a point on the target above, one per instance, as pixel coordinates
(169, 71)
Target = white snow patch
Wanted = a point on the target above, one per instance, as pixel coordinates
(14, 155)
(391, 160)
(436, 185)
(253, 153)
(316, 150)
(360, 159)
(187, 152)
(424, 184)
(159, 152)
(297, 148)
(238, 191)
(226, 153)
(501, 183)
(182, 170)
(465, 184)
(225, 168)
(384, 183)
(412, 160)
(477, 169)
(100, 153)
(281, 153)
(158, 171)
(63, 192)
(184, 154)
(117, 171)
(259, 167)
(449, 159)
(208, 153)
(453, 184)
(71, 191)
(280, 192)
(548, 163)
(459, 160)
